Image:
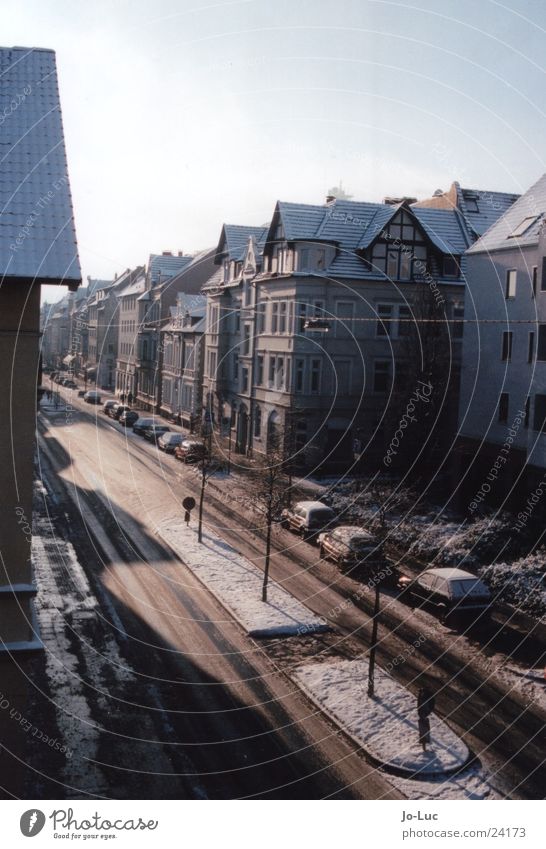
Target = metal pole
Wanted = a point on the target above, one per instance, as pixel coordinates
(373, 645)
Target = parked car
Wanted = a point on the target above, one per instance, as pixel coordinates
(168, 441)
(142, 423)
(128, 418)
(118, 409)
(81, 393)
(93, 396)
(154, 431)
(347, 545)
(308, 518)
(70, 384)
(447, 590)
(107, 406)
(190, 451)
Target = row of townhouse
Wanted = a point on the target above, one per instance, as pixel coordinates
(303, 326)
(308, 320)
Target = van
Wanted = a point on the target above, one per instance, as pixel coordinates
(448, 591)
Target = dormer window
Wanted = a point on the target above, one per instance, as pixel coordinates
(451, 266)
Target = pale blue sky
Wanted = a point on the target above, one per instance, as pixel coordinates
(182, 115)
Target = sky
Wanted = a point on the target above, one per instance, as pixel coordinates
(181, 115)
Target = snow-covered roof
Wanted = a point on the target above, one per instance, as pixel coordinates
(313, 505)
(451, 573)
(520, 225)
(165, 266)
(37, 233)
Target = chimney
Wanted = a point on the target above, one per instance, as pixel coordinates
(180, 253)
(167, 253)
(330, 199)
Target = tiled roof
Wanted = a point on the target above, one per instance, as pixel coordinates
(234, 240)
(445, 228)
(37, 234)
(490, 206)
(135, 288)
(531, 206)
(301, 220)
(162, 266)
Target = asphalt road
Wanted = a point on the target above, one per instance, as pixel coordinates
(135, 480)
(235, 717)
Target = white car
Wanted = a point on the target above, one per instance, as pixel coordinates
(168, 442)
(308, 518)
(448, 590)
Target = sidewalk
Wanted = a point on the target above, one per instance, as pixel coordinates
(385, 725)
(237, 583)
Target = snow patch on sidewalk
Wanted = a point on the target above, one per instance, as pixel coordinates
(386, 728)
(237, 584)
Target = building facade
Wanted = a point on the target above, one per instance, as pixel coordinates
(182, 362)
(310, 327)
(501, 449)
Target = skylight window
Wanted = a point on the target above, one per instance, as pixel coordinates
(523, 226)
(472, 205)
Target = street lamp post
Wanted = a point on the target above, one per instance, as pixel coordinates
(373, 644)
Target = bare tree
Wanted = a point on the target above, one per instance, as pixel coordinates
(420, 404)
(209, 460)
(269, 485)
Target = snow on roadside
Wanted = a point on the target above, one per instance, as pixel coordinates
(237, 584)
(386, 728)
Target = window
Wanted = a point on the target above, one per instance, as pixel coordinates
(540, 413)
(384, 313)
(382, 376)
(504, 402)
(299, 375)
(321, 259)
(282, 317)
(527, 411)
(511, 277)
(274, 316)
(404, 320)
(261, 317)
(271, 370)
(302, 317)
(304, 259)
(507, 345)
(471, 205)
(315, 375)
(534, 276)
(212, 363)
(246, 340)
(458, 326)
(257, 422)
(260, 370)
(235, 366)
(247, 293)
(279, 373)
(541, 347)
(451, 266)
(523, 226)
(244, 387)
(531, 347)
(344, 314)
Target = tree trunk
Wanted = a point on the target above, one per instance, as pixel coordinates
(267, 550)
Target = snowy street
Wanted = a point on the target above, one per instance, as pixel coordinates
(127, 492)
